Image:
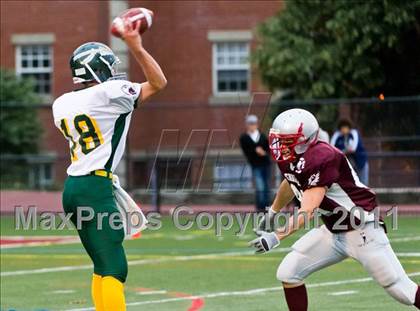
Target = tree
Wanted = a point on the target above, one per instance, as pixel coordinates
(341, 48)
(20, 127)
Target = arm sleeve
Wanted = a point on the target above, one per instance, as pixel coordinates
(264, 143)
(334, 138)
(354, 141)
(242, 143)
(123, 95)
(245, 146)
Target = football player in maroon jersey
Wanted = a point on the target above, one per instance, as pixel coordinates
(321, 177)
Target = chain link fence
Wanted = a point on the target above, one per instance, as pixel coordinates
(389, 128)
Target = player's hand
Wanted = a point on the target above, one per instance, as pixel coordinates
(265, 242)
(266, 222)
(131, 35)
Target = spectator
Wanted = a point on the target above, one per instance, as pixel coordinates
(255, 147)
(348, 140)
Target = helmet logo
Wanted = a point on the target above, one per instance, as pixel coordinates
(299, 166)
(80, 71)
(313, 180)
(127, 89)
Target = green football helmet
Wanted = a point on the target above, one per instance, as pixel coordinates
(93, 61)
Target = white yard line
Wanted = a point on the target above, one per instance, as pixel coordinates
(406, 239)
(159, 260)
(242, 293)
(63, 291)
(185, 237)
(409, 254)
(75, 239)
(346, 292)
(152, 292)
(137, 262)
(45, 270)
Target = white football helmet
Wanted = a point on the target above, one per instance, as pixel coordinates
(293, 131)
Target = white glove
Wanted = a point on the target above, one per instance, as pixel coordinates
(265, 242)
(266, 222)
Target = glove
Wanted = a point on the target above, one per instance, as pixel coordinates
(266, 222)
(265, 242)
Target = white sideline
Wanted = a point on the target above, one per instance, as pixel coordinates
(405, 239)
(153, 292)
(162, 260)
(242, 293)
(75, 239)
(345, 292)
(408, 254)
(138, 262)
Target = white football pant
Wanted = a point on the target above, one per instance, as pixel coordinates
(370, 246)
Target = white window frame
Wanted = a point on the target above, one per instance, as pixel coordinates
(24, 39)
(240, 36)
(34, 70)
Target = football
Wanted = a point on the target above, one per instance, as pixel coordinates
(132, 15)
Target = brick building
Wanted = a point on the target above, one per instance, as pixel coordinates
(203, 48)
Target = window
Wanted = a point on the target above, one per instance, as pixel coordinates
(41, 176)
(35, 61)
(231, 69)
(174, 173)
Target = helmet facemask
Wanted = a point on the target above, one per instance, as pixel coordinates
(106, 72)
(287, 147)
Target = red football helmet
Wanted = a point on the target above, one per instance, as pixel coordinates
(293, 131)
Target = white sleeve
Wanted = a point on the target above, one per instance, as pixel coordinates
(56, 113)
(355, 141)
(122, 94)
(334, 138)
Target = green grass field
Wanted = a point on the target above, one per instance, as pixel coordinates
(171, 269)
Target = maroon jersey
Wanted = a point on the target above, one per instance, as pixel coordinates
(323, 165)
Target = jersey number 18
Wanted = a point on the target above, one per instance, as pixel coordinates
(90, 136)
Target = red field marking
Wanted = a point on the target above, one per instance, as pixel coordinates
(196, 302)
(136, 236)
(21, 241)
